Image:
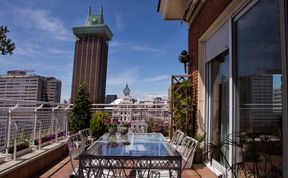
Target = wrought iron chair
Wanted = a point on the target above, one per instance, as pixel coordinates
(187, 149)
(76, 147)
(85, 138)
(142, 129)
(177, 138)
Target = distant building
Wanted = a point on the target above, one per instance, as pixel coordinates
(53, 86)
(137, 112)
(90, 58)
(110, 98)
(19, 85)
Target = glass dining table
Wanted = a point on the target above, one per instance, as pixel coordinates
(134, 155)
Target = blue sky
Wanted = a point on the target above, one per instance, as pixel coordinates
(143, 52)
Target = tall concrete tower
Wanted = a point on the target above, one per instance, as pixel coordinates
(90, 57)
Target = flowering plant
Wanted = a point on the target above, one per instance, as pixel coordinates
(112, 123)
(125, 124)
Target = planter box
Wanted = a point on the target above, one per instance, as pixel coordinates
(44, 144)
(2, 159)
(23, 152)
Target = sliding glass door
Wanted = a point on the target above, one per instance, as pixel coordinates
(258, 82)
(219, 104)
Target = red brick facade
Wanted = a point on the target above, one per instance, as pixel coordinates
(209, 13)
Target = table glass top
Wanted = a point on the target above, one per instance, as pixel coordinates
(148, 144)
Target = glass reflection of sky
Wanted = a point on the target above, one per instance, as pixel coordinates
(136, 145)
(277, 81)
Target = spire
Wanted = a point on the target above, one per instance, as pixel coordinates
(101, 11)
(89, 11)
(126, 91)
(102, 15)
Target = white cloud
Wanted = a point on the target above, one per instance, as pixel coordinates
(120, 24)
(157, 78)
(118, 45)
(130, 76)
(145, 48)
(42, 20)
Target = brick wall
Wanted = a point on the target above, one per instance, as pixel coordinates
(209, 13)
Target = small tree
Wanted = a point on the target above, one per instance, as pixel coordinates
(6, 47)
(80, 116)
(97, 124)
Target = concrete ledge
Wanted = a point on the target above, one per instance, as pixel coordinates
(30, 165)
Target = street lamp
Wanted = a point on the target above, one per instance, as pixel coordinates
(184, 58)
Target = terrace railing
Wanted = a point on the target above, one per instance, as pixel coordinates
(33, 123)
(30, 124)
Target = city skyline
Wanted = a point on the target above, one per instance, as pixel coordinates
(144, 50)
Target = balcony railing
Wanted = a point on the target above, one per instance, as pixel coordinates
(32, 124)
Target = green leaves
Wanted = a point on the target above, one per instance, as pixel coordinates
(81, 115)
(97, 124)
(6, 47)
(183, 107)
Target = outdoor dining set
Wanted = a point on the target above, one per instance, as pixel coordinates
(143, 155)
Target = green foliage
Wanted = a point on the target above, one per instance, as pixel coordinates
(150, 124)
(80, 116)
(261, 151)
(183, 107)
(6, 47)
(97, 124)
(200, 138)
(156, 125)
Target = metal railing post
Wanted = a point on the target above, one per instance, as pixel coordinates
(15, 142)
(53, 118)
(66, 120)
(9, 127)
(39, 137)
(35, 123)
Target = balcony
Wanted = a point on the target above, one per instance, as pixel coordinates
(33, 136)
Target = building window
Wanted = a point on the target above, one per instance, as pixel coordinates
(258, 83)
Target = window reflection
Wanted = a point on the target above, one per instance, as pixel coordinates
(258, 80)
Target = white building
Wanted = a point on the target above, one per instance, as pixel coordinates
(126, 109)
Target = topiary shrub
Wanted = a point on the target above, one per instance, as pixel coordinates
(97, 124)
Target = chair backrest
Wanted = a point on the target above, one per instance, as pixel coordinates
(74, 145)
(84, 137)
(177, 138)
(139, 129)
(75, 148)
(187, 150)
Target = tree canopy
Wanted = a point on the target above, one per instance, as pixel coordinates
(6, 46)
(81, 115)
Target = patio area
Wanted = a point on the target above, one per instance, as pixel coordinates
(64, 169)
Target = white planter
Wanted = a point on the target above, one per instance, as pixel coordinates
(45, 144)
(2, 159)
(23, 152)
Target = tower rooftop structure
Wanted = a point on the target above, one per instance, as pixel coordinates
(94, 24)
(91, 56)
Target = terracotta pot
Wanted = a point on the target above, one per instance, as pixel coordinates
(123, 130)
(112, 131)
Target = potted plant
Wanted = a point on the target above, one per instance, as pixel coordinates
(111, 125)
(200, 148)
(124, 127)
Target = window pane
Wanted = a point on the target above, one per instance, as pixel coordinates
(259, 93)
(219, 94)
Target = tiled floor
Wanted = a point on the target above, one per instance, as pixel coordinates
(64, 170)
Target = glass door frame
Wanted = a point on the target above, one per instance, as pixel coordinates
(219, 168)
